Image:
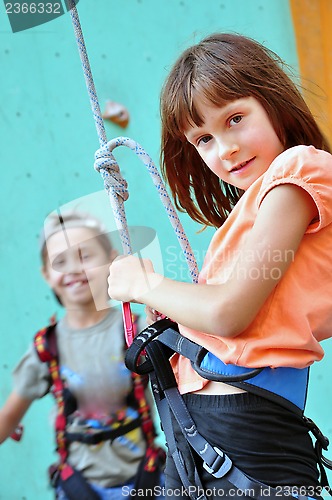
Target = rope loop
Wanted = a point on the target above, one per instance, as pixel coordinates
(107, 166)
(105, 157)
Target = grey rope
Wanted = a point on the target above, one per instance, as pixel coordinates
(107, 166)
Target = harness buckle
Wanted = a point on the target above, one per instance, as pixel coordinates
(54, 473)
(323, 440)
(221, 465)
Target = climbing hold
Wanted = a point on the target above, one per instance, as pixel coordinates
(116, 113)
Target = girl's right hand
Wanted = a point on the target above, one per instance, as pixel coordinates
(131, 278)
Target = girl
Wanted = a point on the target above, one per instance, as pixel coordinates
(242, 152)
(98, 391)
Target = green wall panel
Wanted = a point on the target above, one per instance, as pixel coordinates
(48, 140)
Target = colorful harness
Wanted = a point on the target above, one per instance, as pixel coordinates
(284, 386)
(62, 473)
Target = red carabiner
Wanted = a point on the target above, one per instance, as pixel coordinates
(128, 323)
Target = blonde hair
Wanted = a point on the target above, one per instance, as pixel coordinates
(57, 222)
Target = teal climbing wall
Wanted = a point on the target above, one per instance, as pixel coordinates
(48, 140)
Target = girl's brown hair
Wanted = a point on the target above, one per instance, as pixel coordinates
(221, 68)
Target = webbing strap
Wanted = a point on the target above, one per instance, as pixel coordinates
(74, 485)
(45, 344)
(197, 353)
(168, 397)
(273, 384)
(107, 435)
(215, 461)
(139, 385)
(46, 347)
(181, 466)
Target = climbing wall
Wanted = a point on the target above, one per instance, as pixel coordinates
(48, 140)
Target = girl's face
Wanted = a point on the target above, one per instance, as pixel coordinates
(77, 268)
(237, 141)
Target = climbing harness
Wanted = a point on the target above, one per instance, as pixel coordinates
(284, 386)
(63, 474)
(160, 340)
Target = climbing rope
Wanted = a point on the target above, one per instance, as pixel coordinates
(115, 185)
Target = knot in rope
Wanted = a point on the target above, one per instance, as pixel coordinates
(107, 166)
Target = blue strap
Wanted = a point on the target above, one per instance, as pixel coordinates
(286, 386)
(289, 383)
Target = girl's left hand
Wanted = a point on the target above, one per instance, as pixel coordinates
(130, 278)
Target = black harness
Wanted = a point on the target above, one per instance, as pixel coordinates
(159, 342)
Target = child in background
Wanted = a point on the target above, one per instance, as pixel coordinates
(98, 392)
(242, 152)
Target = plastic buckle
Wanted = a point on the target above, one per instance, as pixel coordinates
(201, 497)
(221, 465)
(54, 473)
(323, 440)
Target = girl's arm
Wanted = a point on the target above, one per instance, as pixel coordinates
(225, 309)
(11, 414)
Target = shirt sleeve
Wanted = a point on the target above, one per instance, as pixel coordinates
(31, 377)
(308, 168)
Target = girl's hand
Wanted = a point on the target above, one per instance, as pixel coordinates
(131, 279)
(11, 414)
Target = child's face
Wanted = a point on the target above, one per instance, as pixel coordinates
(77, 268)
(236, 141)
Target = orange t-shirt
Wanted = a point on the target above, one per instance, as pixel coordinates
(297, 315)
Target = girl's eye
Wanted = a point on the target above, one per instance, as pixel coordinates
(235, 120)
(84, 254)
(203, 140)
(58, 262)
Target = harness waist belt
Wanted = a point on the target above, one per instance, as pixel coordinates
(287, 386)
(158, 342)
(98, 437)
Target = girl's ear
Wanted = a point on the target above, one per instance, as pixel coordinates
(44, 272)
